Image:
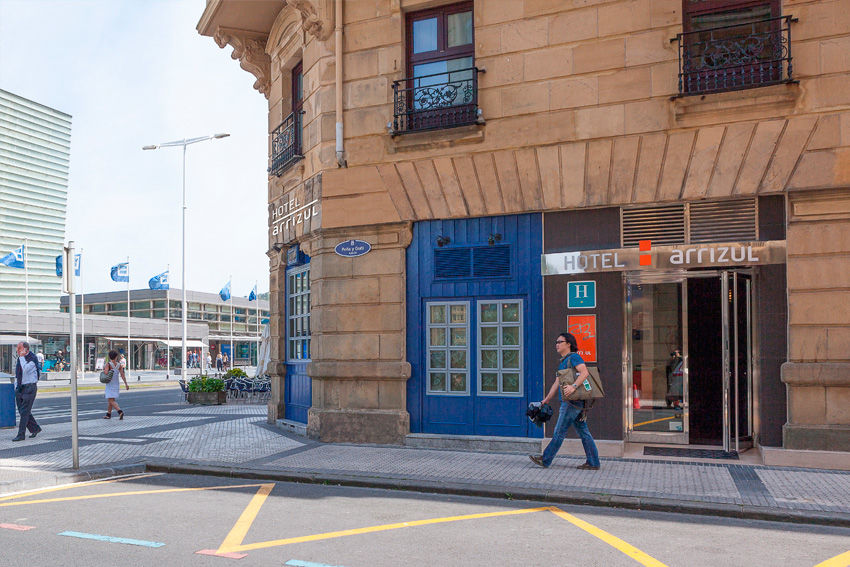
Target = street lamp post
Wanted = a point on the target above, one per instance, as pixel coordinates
(183, 143)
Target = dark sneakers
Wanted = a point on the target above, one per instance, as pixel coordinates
(587, 467)
(537, 460)
(34, 433)
(18, 438)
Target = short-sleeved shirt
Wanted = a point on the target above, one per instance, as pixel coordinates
(570, 361)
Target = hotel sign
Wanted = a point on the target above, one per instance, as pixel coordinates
(680, 256)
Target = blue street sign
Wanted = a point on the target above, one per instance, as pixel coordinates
(581, 295)
(352, 248)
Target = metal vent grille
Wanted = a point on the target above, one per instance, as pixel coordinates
(691, 223)
(453, 263)
(478, 262)
(491, 262)
(661, 225)
(723, 221)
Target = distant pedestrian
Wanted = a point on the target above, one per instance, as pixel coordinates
(209, 361)
(572, 412)
(113, 387)
(226, 360)
(27, 373)
(40, 356)
(219, 362)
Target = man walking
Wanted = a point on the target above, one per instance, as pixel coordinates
(27, 374)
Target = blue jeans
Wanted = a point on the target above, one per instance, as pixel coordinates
(567, 417)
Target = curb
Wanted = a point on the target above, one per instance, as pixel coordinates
(42, 480)
(718, 509)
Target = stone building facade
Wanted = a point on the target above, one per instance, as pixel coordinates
(434, 129)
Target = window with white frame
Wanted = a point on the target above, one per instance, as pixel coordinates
(500, 348)
(448, 347)
(298, 313)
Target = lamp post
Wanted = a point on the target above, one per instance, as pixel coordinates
(183, 143)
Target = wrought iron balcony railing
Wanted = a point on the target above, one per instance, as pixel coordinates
(431, 102)
(286, 144)
(734, 57)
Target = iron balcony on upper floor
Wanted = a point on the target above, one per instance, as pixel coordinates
(286, 144)
(436, 101)
(740, 56)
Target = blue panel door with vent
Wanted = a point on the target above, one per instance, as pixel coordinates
(474, 314)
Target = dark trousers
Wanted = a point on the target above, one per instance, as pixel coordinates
(24, 398)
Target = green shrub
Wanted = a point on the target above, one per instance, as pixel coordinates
(204, 383)
(235, 373)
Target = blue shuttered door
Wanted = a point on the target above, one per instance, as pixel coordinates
(474, 320)
(298, 388)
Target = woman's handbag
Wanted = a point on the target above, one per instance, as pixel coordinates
(590, 388)
(106, 378)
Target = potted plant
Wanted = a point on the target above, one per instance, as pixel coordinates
(235, 373)
(206, 391)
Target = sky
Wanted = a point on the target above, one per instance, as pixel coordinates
(133, 73)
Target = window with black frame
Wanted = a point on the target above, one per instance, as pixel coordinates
(733, 44)
(441, 87)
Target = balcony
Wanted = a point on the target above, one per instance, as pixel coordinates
(286, 144)
(740, 56)
(434, 102)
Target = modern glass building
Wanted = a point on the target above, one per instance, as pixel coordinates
(35, 144)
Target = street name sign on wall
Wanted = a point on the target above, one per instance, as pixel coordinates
(352, 248)
(581, 295)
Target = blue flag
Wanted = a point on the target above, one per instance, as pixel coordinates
(253, 295)
(120, 272)
(60, 261)
(224, 294)
(14, 259)
(160, 281)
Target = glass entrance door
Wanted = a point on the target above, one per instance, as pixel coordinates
(689, 358)
(656, 344)
(736, 294)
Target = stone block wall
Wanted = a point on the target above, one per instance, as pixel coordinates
(359, 369)
(817, 375)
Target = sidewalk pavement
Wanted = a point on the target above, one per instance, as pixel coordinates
(235, 440)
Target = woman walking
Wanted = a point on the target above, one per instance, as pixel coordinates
(113, 387)
(572, 412)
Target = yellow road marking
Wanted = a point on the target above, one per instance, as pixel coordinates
(611, 540)
(243, 524)
(654, 421)
(75, 485)
(367, 530)
(132, 493)
(842, 560)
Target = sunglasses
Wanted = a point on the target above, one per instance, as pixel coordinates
(560, 341)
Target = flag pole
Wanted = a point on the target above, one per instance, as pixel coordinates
(129, 347)
(168, 324)
(232, 352)
(82, 319)
(257, 299)
(27, 286)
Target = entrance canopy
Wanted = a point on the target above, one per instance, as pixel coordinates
(15, 339)
(193, 343)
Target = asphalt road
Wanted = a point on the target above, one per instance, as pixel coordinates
(167, 519)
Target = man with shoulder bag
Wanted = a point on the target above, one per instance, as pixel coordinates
(575, 385)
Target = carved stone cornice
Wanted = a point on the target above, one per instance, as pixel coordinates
(250, 49)
(316, 16)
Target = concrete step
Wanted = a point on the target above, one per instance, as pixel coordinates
(294, 427)
(483, 443)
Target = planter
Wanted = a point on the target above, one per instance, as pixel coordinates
(207, 398)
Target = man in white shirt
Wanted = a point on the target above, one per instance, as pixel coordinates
(27, 373)
(40, 356)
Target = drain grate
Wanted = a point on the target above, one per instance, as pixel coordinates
(690, 453)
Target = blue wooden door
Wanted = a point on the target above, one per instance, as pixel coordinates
(298, 388)
(474, 325)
